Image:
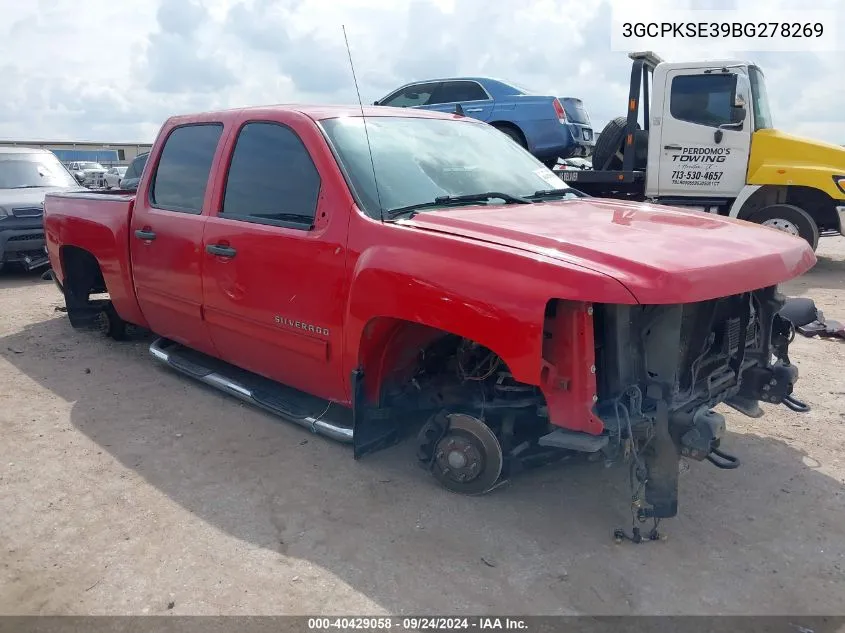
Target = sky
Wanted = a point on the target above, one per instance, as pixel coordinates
(113, 71)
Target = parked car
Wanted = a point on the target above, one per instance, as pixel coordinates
(87, 173)
(426, 271)
(26, 175)
(538, 123)
(130, 179)
(112, 177)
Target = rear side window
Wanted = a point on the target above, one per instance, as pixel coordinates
(272, 179)
(703, 99)
(453, 91)
(183, 168)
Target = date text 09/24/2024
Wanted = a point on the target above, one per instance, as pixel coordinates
(415, 623)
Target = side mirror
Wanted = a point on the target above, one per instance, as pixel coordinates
(375, 102)
(738, 113)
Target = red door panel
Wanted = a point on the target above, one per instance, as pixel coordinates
(168, 275)
(271, 308)
(166, 233)
(274, 270)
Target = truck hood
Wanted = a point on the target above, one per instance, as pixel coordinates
(778, 158)
(22, 198)
(800, 149)
(660, 254)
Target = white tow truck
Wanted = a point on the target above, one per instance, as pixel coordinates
(700, 134)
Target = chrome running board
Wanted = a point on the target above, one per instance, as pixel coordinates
(331, 420)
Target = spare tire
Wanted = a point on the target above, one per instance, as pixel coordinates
(609, 145)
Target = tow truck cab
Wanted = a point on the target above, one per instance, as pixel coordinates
(701, 135)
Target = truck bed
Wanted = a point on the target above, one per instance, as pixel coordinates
(97, 222)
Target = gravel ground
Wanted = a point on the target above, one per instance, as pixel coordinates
(128, 489)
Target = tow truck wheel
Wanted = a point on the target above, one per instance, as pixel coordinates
(462, 452)
(789, 219)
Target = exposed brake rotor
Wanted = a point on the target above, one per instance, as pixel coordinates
(463, 453)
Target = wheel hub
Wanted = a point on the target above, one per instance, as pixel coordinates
(458, 459)
(782, 225)
(467, 457)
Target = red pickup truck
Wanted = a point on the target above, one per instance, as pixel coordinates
(369, 272)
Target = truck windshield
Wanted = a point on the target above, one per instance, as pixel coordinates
(24, 171)
(762, 114)
(417, 160)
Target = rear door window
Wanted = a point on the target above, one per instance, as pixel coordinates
(181, 176)
(272, 179)
(454, 91)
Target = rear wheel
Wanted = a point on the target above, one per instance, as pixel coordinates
(789, 219)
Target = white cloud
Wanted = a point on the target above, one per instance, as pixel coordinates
(114, 72)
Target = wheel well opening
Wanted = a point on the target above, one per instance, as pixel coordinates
(818, 204)
(507, 125)
(426, 368)
(425, 376)
(82, 273)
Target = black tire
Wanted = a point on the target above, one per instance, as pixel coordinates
(789, 219)
(516, 136)
(112, 325)
(608, 144)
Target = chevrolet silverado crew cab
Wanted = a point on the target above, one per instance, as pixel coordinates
(705, 139)
(369, 272)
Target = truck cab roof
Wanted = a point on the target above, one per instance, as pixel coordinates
(318, 113)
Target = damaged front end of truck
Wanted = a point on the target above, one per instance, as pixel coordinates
(662, 368)
(620, 382)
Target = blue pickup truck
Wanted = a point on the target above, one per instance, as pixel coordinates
(548, 127)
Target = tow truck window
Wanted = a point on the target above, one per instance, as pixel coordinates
(272, 179)
(703, 99)
(762, 114)
(182, 173)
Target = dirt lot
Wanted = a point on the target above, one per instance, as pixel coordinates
(125, 488)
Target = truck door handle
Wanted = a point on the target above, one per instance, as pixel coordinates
(474, 109)
(672, 147)
(145, 234)
(220, 251)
